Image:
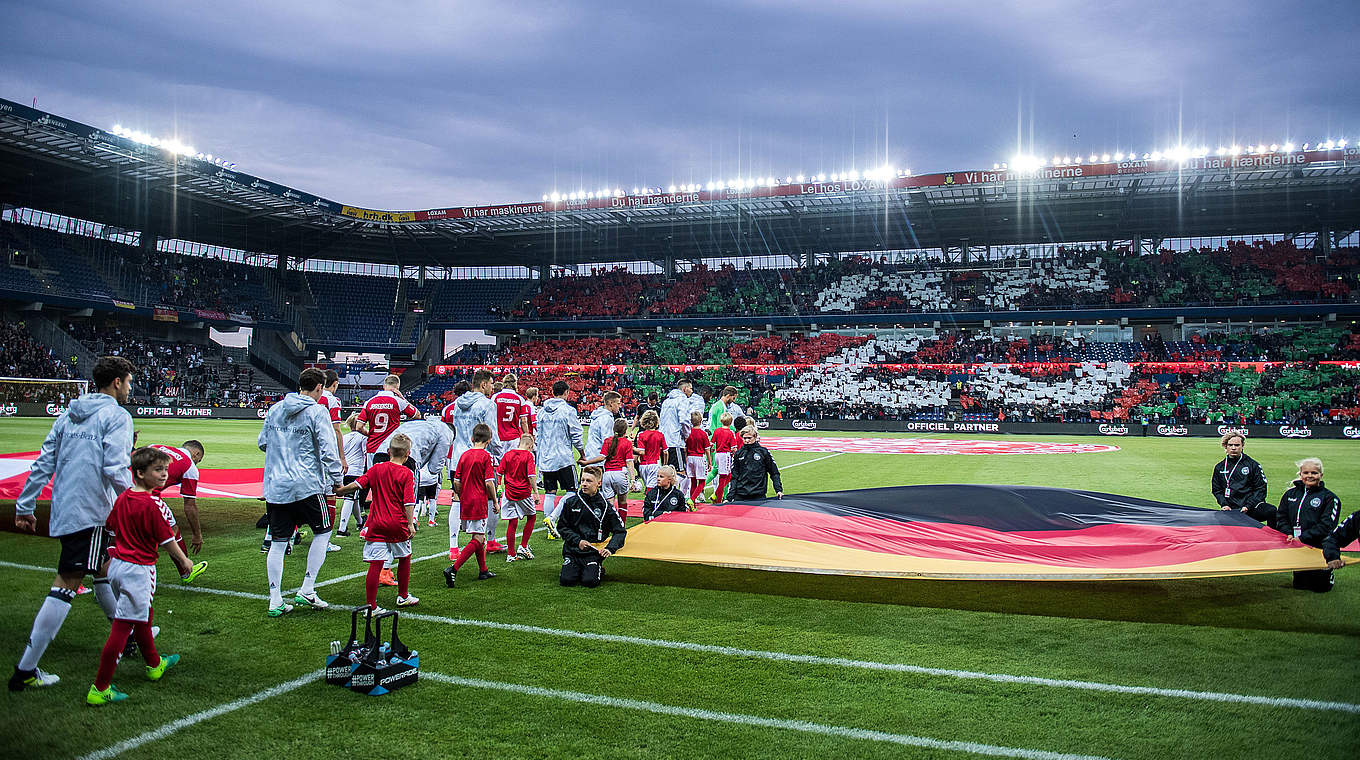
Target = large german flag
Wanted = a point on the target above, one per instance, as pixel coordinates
(972, 532)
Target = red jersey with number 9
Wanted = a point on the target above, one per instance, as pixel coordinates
(384, 413)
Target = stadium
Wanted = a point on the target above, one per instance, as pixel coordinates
(1092, 321)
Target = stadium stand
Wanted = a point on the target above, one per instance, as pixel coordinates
(22, 355)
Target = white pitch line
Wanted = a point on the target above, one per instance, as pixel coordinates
(810, 461)
(844, 732)
(841, 662)
(199, 717)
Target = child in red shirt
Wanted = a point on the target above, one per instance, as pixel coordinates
(474, 483)
(391, 520)
(724, 443)
(517, 470)
(616, 452)
(652, 443)
(696, 457)
(141, 523)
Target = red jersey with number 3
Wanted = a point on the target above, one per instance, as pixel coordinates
(510, 408)
(140, 522)
(183, 471)
(391, 487)
(384, 413)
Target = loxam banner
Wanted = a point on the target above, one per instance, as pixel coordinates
(143, 411)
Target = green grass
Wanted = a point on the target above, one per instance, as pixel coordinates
(1248, 635)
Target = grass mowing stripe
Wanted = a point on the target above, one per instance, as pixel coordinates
(198, 717)
(843, 662)
(823, 729)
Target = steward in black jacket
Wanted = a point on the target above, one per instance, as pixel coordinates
(586, 519)
(750, 464)
(665, 497)
(1309, 514)
(1239, 484)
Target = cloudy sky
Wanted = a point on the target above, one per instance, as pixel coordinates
(426, 104)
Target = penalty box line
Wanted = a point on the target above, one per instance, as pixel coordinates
(810, 659)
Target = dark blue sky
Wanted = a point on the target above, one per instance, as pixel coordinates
(424, 104)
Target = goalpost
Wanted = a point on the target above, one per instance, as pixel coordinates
(31, 390)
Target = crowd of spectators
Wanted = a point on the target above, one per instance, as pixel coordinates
(175, 370)
(1236, 273)
(23, 356)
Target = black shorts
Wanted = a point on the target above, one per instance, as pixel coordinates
(84, 551)
(428, 492)
(312, 511)
(349, 479)
(563, 479)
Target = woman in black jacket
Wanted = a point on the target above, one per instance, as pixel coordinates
(1307, 514)
(750, 464)
(1238, 483)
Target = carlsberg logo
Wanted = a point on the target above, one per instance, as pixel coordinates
(1295, 432)
(1225, 429)
(1351, 432)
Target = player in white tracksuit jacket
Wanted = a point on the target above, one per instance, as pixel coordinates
(86, 457)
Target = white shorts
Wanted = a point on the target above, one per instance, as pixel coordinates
(426, 479)
(474, 526)
(724, 462)
(518, 508)
(648, 473)
(382, 551)
(696, 468)
(134, 586)
(615, 484)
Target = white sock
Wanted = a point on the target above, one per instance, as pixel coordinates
(434, 510)
(103, 593)
(273, 567)
(557, 509)
(46, 623)
(548, 499)
(316, 554)
(455, 521)
(344, 513)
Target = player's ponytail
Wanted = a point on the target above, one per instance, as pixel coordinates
(620, 431)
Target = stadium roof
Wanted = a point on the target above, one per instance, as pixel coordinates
(58, 165)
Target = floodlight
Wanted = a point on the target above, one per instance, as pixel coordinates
(1328, 145)
(1119, 156)
(1341, 143)
(1235, 150)
(1105, 157)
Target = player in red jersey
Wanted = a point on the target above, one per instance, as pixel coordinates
(516, 469)
(512, 414)
(616, 454)
(332, 403)
(382, 414)
(724, 443)
(474, 481)
(652, 443)
(531, 398)
(141, 524)
(696, 456)
(183, 472)
(391, 520)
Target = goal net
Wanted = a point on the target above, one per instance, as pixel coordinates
(30, 390)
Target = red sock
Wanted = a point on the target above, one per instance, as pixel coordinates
(528, 529)
(469, 549)
(481, 556)
(723, 480)
(404, 576)
(697, 489)
(511, 527)
(623, 510)
(179, 539)
(146, 642)
(112, 652)
(375, 568)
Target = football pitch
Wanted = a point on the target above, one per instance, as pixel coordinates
(670, 660)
